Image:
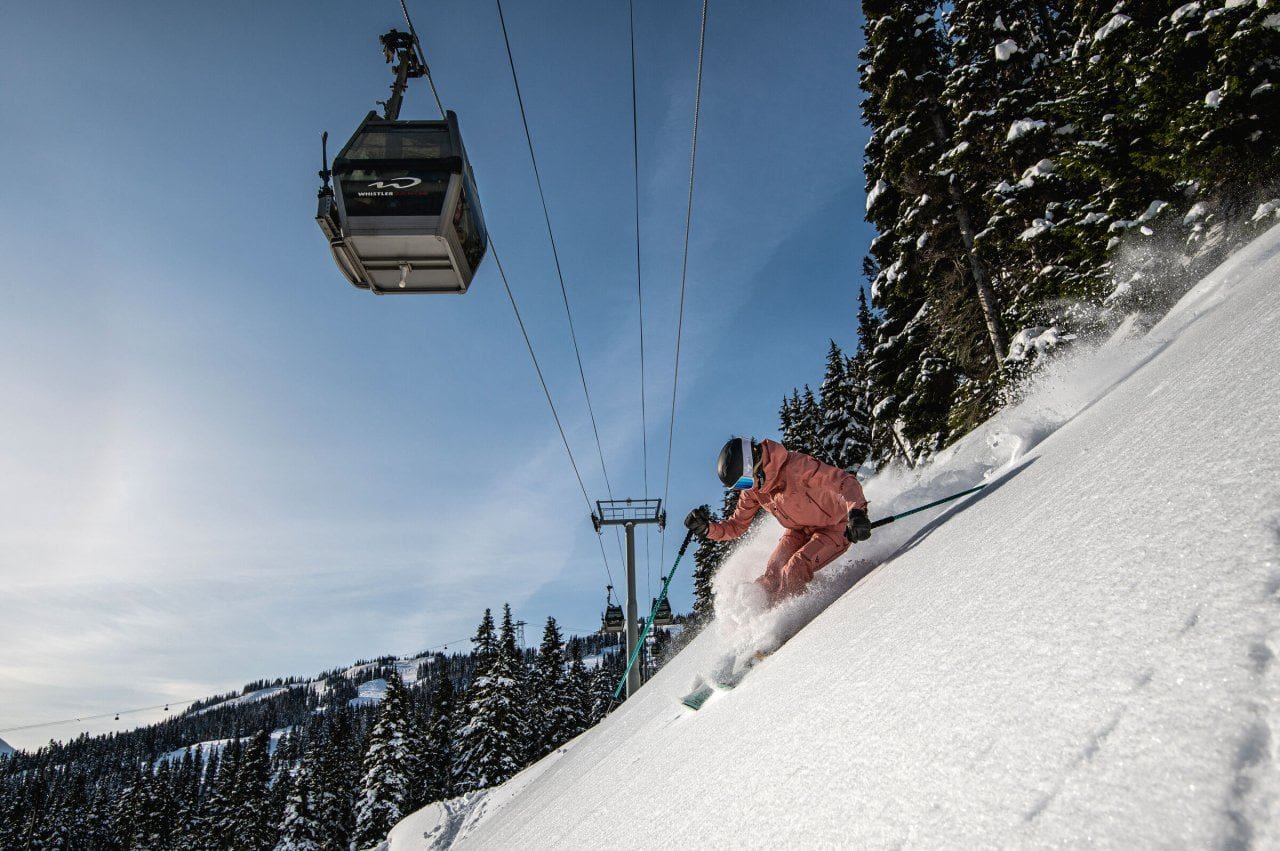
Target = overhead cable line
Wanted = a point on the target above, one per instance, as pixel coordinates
(635, 168)
(684, 263)
(422, 57)
(511, 297)
(116, 715)
(541, 380)
(555, 253)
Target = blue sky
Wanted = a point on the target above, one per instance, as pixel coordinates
(219, 461)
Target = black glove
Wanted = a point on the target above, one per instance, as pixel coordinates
(699, 521)
(859, 528)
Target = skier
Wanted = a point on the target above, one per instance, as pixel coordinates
(822, 508)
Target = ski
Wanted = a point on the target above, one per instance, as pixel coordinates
(697, 698)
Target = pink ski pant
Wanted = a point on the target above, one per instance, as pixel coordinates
(799, 555)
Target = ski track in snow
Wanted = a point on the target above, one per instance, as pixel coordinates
(1081, 654)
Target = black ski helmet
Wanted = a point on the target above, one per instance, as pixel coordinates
(736, 463)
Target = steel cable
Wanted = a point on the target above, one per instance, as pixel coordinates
(422, 57)
(555, 254)
(511, 297)
(684, 264)
(635, 167)
(524, 332)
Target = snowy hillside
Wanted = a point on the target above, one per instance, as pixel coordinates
(1081, 654)
(5, 749)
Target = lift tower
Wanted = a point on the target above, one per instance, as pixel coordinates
(628, 513)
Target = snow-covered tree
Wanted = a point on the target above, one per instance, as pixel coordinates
(253, 823)
(604, 680)
(844, 418)
(941, 314)
(218, 817)
(493, 743)
(337, 772)
(439, 770)
(556, 716)
(301, 828)
(809, 424)
(707, 559)
(390, 766)
(578, 688)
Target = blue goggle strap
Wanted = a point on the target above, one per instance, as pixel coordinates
(746, 477)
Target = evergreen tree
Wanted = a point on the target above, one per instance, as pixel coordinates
(439, 757)
(842, 393)
(706, 560)
(218, 824)
(187, 788)
(926, 269)
(556, 717)
(1116, 138)
(858, 440)
(809, 425)
(577, 689)
(253, 823)
(161, 817)
(300, 830)
(604, 680)
(129, 815)
(389, 767)
(1001, 55)
(493, 743)
(485, 643)
(336, 774)
(787, 419)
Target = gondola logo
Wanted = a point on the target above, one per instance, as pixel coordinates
(398, 183)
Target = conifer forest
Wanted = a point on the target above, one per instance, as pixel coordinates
(301, 764)
(1037, 174)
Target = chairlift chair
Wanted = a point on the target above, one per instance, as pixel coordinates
(404, 215)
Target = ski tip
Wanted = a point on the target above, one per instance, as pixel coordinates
(697, 698)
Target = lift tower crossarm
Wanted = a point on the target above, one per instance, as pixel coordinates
(627, 513)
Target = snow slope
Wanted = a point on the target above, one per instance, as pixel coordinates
(1081, 654)
(5, 748)
(251, 697)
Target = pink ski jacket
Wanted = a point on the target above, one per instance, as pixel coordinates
(799, 490)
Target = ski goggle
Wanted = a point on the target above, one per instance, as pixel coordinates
(746, 476)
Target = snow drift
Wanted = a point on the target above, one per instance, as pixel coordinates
(1083, 653)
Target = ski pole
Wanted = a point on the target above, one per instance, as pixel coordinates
(887, 520)
(662, 595)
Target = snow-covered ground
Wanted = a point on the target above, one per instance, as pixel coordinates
(5, 748)
(1082, 654)
(250, 697)
(368, 693)
(212, 746)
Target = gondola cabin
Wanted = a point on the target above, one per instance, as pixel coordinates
(613, 619)
(663, 615)
(404, 216)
